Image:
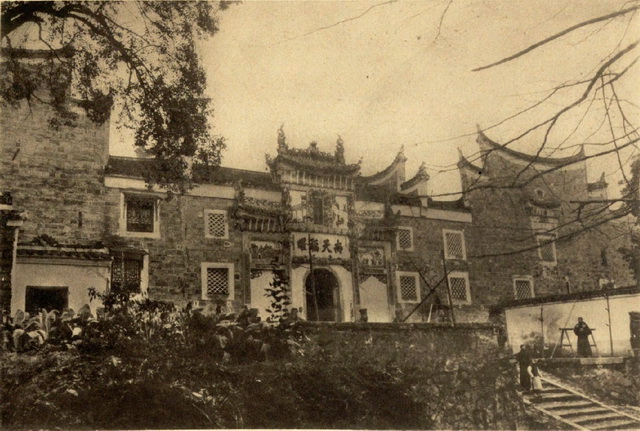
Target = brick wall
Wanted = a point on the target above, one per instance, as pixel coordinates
(501, 226)
(55, 175)
(175, 258)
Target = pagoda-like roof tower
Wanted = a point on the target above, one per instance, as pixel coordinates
(312, 167)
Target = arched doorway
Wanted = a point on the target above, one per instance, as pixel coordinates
(321, 291)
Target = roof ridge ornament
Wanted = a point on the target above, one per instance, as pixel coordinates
(422, 171)
(339, 154)
(282, 139)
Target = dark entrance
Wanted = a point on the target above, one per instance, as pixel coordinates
(49, 298)
(323, 306)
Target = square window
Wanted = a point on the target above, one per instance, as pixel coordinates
(126, 274)
(139, 216)
(459, 284)
(523, 287)
(408, 287)
(405, 238)
(217, 280)
(216, 224)
(454, 247)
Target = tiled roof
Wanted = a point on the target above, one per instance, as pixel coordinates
(418, 178)
(464, 163)
(457, 205)
(568, 297)
(63, 252)
(139, 168)
(315, 160)
(400, 158)
(482, 139)
(598, 185)
(381, 194)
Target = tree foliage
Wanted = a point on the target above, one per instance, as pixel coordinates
(140, 56)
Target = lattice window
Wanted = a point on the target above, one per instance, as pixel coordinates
(454, 244)
(405, 239)
(459, 284)
(546, 248)
(523, 288)
(140, 214)
(216, 225)
(217, 281)
(126, 274)
(408, 287)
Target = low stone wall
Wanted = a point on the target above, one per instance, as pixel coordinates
(409, 340)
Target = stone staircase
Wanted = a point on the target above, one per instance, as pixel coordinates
(578, 410)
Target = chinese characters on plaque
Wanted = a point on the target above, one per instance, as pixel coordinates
(321, 245)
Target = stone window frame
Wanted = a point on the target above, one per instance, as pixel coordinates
(547, 239)
(122, 231)
(465, 276)
(527, 278)
(446, 247)
(207, 212)
(416, 276)
(230, 280)
(410, 230)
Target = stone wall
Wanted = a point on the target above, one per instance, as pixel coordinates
(401, 339)
(54, 174)
(175, 257)
(427, 258)
(502, 227)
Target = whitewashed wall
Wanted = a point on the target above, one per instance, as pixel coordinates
(77, 277)
(523, 323)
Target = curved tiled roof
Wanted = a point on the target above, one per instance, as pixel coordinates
(133, 167)
(312, 159)
(381, 194)
(418, 178)
(465, 163)
(485, 142)
(400, 158)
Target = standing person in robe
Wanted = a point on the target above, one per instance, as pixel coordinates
(583, 331)
(524, 360)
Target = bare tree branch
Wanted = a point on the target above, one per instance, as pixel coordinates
(558, 35)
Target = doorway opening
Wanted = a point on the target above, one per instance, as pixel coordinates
(321, 291)
(47, 297)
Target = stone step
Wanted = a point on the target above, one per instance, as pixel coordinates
(587, 410)
(552, 390)
(590, 419)
(566, 405)
(565, 396)
(626, 423)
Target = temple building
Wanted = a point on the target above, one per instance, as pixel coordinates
(350, 247)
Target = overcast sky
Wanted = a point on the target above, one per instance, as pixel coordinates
(381, 75)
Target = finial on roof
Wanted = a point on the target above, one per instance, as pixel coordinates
(400, 156)
(422, 171)
(282, 139)
(339, 150)
(313, 146)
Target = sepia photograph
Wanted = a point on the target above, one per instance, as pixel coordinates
(336, 214)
